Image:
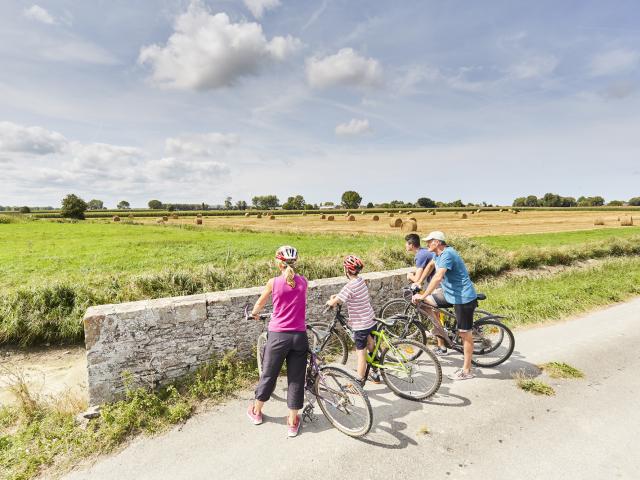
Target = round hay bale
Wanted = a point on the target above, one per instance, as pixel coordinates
(174, 216)
(247, 214)
(464, 215)
(391, 215)
(259, 215)
(399, 212)
(375, 218)
(268, 214)
(198, 220)
(478, 211)
(304, 214)
(433, 212)
(272, 217)
(160, 221)
(165, 218)
(115, 218)
(501, 210)
(131, 216)
(409, 212)
(323, 216)
(413, 218)
(351, 218)
(598, 221)
(409, 226)
(515, 212)
(362, 212)
(347, 214)
(626, 222)
(395, 223)
(330, 218)
(199, 215)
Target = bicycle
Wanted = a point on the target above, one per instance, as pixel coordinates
(339, 394)
(407, 367)
(493, 341)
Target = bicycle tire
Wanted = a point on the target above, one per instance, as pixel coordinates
(335, 350)
(260, 345)
(495, 345)
(431, 374)
(412, 328)
(343, 401)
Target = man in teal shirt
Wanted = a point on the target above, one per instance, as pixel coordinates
(457, 291)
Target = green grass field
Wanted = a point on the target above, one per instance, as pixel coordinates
(50, 273)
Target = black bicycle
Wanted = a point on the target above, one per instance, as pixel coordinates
(493, 341)
(338, 392)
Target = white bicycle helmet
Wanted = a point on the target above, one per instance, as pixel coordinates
(287, 254)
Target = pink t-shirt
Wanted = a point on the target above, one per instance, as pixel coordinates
(289, 305)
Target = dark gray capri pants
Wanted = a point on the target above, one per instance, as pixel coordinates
(281, 346)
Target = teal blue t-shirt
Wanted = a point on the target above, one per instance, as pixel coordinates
(456, 284)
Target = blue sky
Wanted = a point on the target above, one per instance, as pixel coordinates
(193, 101)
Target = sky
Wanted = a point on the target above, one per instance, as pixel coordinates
(194, 101)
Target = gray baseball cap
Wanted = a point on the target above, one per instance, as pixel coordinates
(435, 235)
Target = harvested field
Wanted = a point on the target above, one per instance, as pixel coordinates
(487, 223)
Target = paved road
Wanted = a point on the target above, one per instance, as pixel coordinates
(481, 428)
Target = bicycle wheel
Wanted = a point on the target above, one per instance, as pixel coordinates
(343, 401)
(261, 344)
(493, 343)
(411, 328)
(410, 370)
(335, 349)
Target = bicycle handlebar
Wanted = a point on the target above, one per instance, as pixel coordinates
(247, 314)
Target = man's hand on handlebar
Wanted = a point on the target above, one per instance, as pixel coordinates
(416, 298)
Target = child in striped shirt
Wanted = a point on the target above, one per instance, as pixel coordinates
(361, 316)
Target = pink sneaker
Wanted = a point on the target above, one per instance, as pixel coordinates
(256, 418)
(292, 430)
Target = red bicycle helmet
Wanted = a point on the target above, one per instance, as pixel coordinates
(352, 264)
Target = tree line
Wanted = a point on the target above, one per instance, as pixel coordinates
(555, 200)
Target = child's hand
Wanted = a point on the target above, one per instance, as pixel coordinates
(329, 303)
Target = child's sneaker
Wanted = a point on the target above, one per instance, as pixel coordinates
(292, 430)
(440, 352)
(256, 418)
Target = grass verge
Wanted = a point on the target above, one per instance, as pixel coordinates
(43, 433)
(561, 370)
(531, 385)
(534, 300)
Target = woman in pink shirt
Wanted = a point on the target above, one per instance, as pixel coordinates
(286, 340)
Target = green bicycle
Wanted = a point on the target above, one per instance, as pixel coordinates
(407, 367)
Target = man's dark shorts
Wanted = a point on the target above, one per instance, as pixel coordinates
(463, 311)
(360, 337)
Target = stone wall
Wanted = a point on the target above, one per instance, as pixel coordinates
(159, 341)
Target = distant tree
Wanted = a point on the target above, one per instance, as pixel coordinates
(265, 202)
(123, 205)
(294, 203)
(241, 205)
(25, 209)
(73, 207)
(170, 208)
(155, 204)
(370, 205)
(328, 204)
(227, 204)
(615, 203)
(635, 201)
(95, 205)
(351, 199)
(519, 202)
(308, 206)
(568, 202)
(456, 203)
(425, 202)
(551, 200)
(590, 201)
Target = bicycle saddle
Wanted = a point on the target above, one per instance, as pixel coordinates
(391, 321)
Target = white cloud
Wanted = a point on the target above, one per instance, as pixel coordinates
(76, 50)
(103, 155)
(344, 68)
(179, 169)
(204, 145)
(613, 62)
(39, 14)
(534, 67)
(353, 127)
(30, 140)
(209, 51)
(258, 7)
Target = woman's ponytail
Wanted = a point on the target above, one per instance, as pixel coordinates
(290, 275)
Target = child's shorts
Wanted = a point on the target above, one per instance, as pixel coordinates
(360, 337)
